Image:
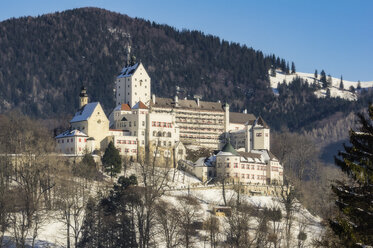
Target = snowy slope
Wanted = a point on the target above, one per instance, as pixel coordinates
(52, 233)
(334, 89)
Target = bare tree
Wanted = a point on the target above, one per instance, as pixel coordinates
(28, 153)
(238, 226)
(212, 225)
(168, 220)
(189, 213)
(289, 202)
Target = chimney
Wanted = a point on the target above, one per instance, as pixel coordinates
(176, 101)
(219, 101)
(153, 98)
(244, 111)
(198, 102)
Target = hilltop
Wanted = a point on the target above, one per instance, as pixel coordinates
(335, 90)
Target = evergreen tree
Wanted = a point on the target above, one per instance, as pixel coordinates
(323, 79)
(341, 86)
(273, 71)
(316, 75)
(111, 160)
(329, 81)
(352, 89)
(354, 224)
(287, 68)
(109, 222)
(358, 85)
(292, 67)
(327, 93)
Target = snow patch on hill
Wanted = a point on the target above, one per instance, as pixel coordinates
(310, 77)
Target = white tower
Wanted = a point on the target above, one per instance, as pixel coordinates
(133, 85)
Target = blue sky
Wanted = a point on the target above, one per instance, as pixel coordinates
(334, 35)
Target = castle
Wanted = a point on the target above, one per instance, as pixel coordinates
(164, 126)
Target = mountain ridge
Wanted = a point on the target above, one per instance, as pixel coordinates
(45, 60)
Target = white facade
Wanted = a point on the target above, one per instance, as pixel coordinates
(74, 142)
(255, 167)
(133, 85)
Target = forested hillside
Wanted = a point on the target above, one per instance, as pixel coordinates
(45, 60)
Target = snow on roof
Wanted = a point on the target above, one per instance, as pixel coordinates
(84, 113)
(263, 153)
(128, 71)
(71, 133)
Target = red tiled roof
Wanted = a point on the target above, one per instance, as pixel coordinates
(140, 105)
(125, 107)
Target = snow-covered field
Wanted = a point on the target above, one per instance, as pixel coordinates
(334, 89)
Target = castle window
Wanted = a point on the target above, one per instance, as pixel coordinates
(143, 123)
(227, 165)
(142, 142)
(169, 134)
(134, 133)
(142, 133)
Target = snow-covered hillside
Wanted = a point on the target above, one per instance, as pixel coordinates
(334, 89)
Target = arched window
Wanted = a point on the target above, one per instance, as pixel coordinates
(169, 134)
(154, 133)
(159, 134)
